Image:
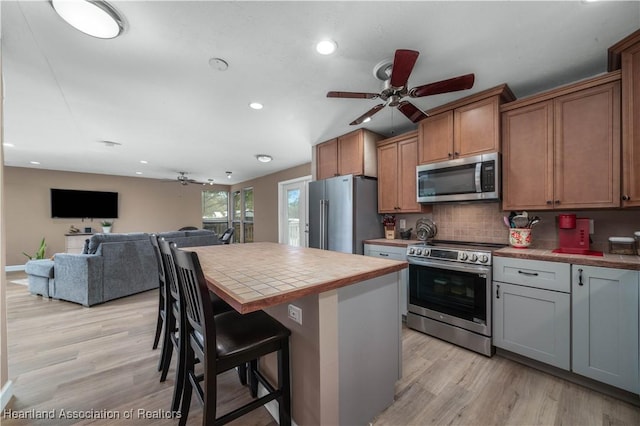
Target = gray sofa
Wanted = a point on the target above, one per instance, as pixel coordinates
(111, 266)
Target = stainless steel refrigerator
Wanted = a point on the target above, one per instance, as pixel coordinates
(343, 211)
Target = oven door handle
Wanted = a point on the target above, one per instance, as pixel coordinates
(474, 269)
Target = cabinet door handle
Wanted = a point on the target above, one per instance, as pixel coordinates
(497, 291)
(384, 254)
(549, 202)
(580, 277)
(625, 198)
(456, 154)
(557, 201)
(449, 155)
(529, 274)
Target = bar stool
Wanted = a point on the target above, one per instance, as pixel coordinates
(161, 290)
(173, 319)
(224, 341)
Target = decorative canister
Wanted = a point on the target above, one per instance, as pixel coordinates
(390, 232)
(520, 237)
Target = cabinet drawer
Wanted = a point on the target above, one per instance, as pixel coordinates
(386, 252)
(533, 273)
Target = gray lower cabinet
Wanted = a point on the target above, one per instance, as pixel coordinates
(528, 318)
(605, 325)
(394, 253)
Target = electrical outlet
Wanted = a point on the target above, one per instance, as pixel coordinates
(403, 224)
(295, 313)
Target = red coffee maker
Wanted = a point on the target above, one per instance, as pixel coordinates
(573, 235)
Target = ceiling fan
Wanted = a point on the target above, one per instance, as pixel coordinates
(395, 76)
(183, 179)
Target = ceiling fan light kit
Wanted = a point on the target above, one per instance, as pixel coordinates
(96, 18)
(395, 76)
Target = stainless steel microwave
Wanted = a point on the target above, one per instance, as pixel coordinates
(474, 178)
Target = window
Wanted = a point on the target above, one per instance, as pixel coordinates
(215, 210)
(242, 219)
(248, 215)
(237, 216)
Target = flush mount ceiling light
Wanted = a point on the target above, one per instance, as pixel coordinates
(93, 17)
(326, 47)
(256, 105)
(263, 158)
(218, 64)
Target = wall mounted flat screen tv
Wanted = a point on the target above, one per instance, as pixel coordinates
(71, 203)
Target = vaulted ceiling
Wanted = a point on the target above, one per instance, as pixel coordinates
(153, 92)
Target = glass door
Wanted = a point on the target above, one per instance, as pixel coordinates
(293, 223)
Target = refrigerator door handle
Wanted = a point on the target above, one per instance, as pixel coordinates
(324, 207)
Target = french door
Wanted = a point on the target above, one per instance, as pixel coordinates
(292, 212)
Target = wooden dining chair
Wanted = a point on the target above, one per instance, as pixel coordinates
(173, 319)
(161, 283)
(224, 341)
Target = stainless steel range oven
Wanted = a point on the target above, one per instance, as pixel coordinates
(450, 293)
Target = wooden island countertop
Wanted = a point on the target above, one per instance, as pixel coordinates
(256, 276)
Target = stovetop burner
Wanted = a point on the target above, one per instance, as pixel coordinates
(454, 251)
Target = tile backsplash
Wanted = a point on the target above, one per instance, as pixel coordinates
(482, 222)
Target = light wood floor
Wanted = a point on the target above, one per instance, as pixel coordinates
(65, 356)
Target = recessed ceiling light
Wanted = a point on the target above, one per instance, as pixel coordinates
(326, 47)
(263, 158)
(218, 64)
(138, 173)
(8, 145)
(144, 162)
(35, 163)
(96, 18)
(256, 105)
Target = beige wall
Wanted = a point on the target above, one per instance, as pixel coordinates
(265, 194)
(4, 369)
(145, 205)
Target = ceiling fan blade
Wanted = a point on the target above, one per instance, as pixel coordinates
(367, 114)
(462, 82)
(411, 111)
(403, 63)
(352, 95)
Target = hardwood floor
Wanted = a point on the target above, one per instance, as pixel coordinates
(63, 356)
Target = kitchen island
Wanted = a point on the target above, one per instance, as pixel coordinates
(346, 353)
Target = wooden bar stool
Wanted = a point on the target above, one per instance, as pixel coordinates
(224, 341)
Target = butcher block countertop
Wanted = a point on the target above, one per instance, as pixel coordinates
(256, 276)
(622, 261)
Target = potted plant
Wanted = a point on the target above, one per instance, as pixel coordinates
(39, 254)
(106, 226)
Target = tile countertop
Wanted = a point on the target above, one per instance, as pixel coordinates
(608, 260)
(621, 261)
(256, 276)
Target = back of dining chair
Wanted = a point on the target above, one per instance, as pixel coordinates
(161, 319)
(171, 278)
(196, 296)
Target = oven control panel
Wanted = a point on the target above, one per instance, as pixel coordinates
(454, 255)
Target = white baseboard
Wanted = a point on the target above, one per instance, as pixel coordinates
(5, 394)
(13, 268)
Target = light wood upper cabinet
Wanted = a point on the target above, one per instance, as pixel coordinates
(353, 153)
(626, 55)
(397, 161)
(327, 159)
(470, 126)
(436, 138)
(561, 149)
